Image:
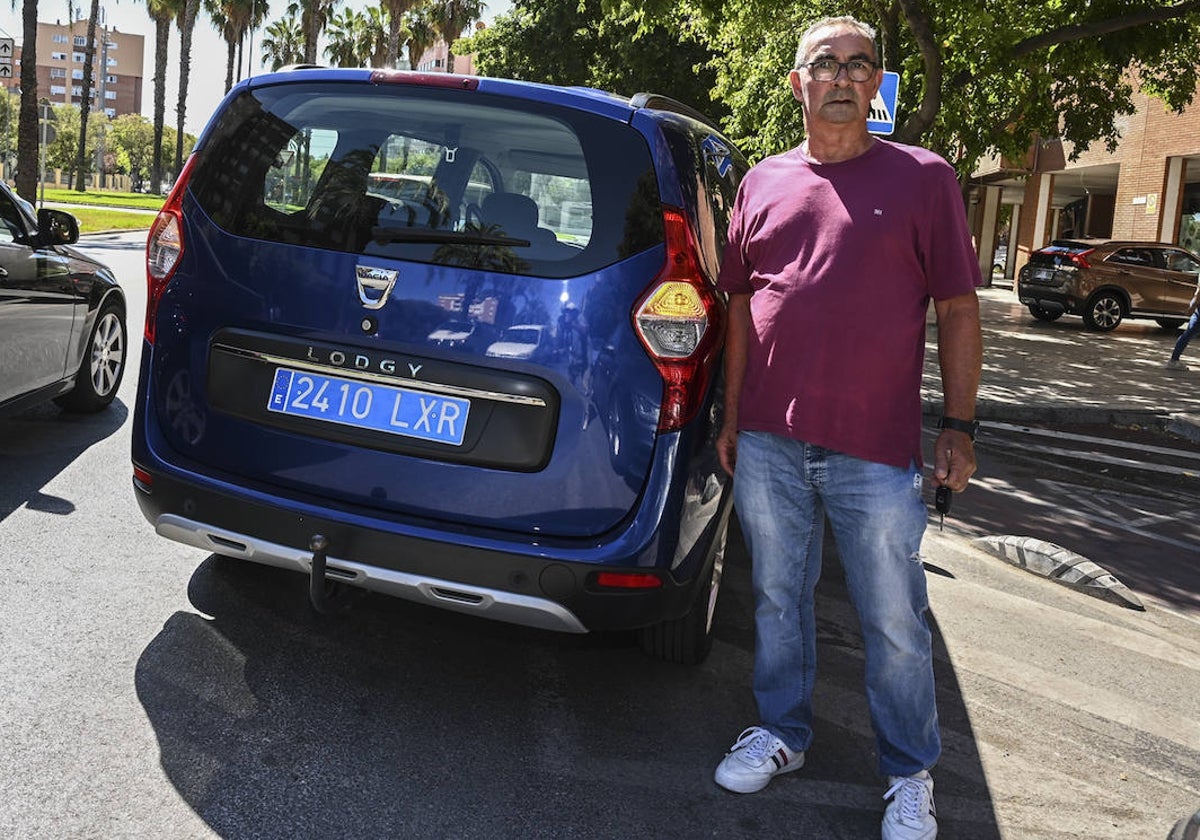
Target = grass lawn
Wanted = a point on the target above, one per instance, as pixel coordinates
(136, 201)
(96, 219)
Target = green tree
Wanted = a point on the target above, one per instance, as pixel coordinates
(572, 43)
(396, 10)
(351, 42)
(10, 106)
(314, 17)
(421, 34)
(233, 19)
(450, 18)
(283, 43)
(131, 139)
(976, 78)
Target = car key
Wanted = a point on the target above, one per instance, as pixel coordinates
(941, 500)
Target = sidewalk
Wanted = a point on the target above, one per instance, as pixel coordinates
(1062, 372)
(1062, 715)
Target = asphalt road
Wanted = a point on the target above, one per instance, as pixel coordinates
(153, 691)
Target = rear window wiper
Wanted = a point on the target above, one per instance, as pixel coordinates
(405, 234)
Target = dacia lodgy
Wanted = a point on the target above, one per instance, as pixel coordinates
(316, 390)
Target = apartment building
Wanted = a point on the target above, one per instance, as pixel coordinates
(1148, 188)
(62, 54)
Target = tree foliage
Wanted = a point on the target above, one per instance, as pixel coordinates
(570, 42)
(976, 78)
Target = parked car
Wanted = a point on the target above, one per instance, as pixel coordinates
(1107, 281)
(523, 341)
(62, 314)
(302, 404)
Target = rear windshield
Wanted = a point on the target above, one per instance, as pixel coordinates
(440, 176)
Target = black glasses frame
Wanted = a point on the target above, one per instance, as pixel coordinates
(829, 63)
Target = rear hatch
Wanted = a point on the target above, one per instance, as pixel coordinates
(1056, 262)
(392, 297)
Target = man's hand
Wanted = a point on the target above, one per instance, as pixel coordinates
(953, 460)
(727, 448)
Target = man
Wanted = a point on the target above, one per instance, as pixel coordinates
(835, 249)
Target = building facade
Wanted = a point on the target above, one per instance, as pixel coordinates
(1147, 189)
(62, 55)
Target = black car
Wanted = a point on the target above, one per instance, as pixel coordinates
(62, 315)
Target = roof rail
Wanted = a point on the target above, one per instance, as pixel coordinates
(658, 102)
(287, 68)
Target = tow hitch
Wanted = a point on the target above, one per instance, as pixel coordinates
(328, 597)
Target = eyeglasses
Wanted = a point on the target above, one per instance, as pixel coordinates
(826, 69)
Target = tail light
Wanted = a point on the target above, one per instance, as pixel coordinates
(679, 321)
(1079, 258)
(164, 247)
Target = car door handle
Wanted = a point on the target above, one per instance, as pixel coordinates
(3, 272)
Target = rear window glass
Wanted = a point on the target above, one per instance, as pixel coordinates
(448, 177)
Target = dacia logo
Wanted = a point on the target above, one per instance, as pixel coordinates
(374, 285)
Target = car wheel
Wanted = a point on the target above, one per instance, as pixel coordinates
(1043, 314)
(103, 364)
(1104, 311)
(1170, 323)
(687, 640)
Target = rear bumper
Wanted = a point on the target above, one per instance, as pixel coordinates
(1055, 299)
(532, 589)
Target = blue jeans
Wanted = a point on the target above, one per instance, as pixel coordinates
(1188, 331)
(783, 489)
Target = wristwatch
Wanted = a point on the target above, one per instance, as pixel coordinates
(971, 427)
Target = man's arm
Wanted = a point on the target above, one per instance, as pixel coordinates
(736, 341)
(960, 355)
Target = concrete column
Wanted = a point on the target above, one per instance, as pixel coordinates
(1014, 225)
(989, 208)
(1168, 222)
(1042, 217)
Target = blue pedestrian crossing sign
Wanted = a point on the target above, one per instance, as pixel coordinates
(881, 119)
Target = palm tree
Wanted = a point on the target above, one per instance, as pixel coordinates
(450, 18)
(376, 37)
(186, 21)
(283, 43)
(162, 12)
(27, 125)
(314, 17)
(347, 39)
(85, 101)
(421, 34)
(396, 10)
(231, 18)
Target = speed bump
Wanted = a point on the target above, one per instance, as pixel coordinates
(1061, 565)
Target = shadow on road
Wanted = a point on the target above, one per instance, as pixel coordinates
(38, 444)
(400, 720)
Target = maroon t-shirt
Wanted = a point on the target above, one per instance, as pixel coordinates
(841, 260)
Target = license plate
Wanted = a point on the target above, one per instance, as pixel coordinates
(1044, 274)
(368, 405)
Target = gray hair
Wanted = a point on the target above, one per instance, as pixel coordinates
(841, 22)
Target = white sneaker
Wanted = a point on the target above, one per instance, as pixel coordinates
(756, 758)
(1175, 364)
(910, 815)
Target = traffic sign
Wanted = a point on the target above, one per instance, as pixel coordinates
(881, 119)
(6, 58)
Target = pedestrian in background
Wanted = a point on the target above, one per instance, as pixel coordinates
(835, 249)
(1189, 330)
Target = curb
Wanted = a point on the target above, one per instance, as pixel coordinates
(1061, 566)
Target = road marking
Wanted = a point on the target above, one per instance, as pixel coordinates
(1110, 442)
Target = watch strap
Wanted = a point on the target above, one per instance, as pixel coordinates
(970, 427)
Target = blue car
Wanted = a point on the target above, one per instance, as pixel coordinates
(316, 390)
